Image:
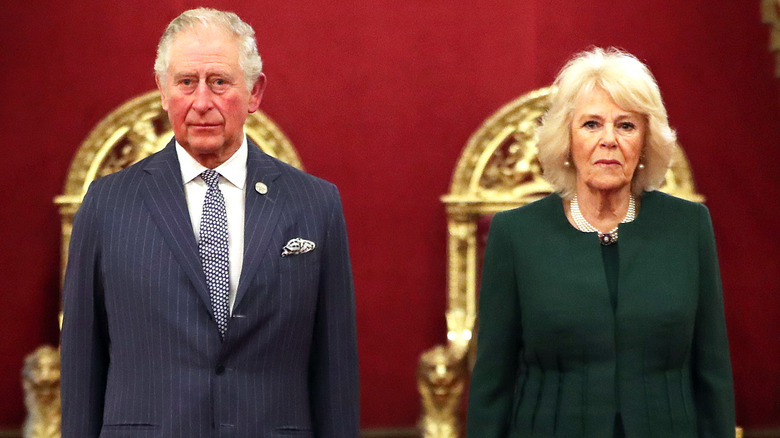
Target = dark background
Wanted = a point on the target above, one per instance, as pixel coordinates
(379, 97)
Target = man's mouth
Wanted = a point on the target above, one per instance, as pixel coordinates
(203, 125)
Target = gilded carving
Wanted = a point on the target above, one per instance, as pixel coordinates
(513, 163)
(41, 382)
(770, 11)
(441, 381)
(497, 170)
(132, 132)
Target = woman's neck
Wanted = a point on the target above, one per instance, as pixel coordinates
(604, 209)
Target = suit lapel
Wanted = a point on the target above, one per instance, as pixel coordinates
(165, 199)
(261, 214)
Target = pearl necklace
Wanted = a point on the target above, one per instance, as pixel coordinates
(585, 226)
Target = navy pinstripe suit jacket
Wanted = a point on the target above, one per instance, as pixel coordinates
(141, 352)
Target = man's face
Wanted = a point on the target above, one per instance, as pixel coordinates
(205, 94)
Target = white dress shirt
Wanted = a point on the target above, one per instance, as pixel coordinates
(232, 184)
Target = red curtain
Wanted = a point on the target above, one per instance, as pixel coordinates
(380, 97)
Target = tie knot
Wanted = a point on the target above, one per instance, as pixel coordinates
(211, 177)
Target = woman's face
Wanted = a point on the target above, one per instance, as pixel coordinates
(606, 142)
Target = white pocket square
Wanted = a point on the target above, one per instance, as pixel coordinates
(297, 246)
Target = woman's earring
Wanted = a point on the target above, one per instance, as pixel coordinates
(641, 166)
(566, 163)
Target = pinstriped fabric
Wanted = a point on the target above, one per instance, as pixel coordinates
(141, 352)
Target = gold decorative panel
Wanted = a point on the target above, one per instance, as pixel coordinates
(770, 12)
(132, 132)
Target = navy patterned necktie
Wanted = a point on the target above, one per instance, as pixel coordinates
(213, 249)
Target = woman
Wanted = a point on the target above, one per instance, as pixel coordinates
(582, 334)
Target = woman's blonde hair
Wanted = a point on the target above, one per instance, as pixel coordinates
(633, 88)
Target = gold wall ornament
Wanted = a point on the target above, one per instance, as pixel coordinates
(41, 383)
(770, 13)
(441, 378)
(130, 133)
(497, 170)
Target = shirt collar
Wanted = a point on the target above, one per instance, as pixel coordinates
(233, 170)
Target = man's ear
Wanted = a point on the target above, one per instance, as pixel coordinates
(256, 95)
(161, 88)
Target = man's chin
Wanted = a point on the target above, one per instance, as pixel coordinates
(196, 148)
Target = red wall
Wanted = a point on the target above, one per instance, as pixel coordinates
(379, 97)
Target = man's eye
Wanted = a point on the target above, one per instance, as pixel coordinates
(188, 84)
(219, 83)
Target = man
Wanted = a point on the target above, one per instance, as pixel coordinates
(209, 290)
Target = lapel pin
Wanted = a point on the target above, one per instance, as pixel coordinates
(261, 188)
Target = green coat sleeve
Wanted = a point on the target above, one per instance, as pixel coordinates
(711, 366)
(493, 381)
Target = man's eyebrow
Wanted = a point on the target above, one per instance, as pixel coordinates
(218, 73)
(184, 74)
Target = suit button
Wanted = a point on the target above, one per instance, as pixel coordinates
(220, 369)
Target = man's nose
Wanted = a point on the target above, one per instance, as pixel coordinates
(202, 101)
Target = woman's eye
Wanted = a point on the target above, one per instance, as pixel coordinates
(590, 124)
(627, 126)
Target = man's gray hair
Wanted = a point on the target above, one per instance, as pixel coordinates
(229, 22)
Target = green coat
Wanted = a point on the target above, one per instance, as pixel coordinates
(555, 360)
